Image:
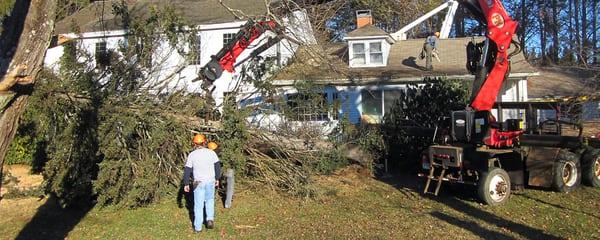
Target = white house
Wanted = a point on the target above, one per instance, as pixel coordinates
(101, 30)
(373, 67)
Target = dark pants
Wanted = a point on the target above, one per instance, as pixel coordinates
(428, 57)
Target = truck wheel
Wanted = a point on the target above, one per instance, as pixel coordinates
(591, 168)
(494, 186)
(567, 172)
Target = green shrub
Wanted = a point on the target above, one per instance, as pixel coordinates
(326, 162)
(6, 7)
(21, 150)
(369, 138)
(425, 105)
(27, 145)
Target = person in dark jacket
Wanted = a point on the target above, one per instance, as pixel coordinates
(430, 48)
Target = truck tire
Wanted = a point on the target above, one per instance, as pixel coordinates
(567, 172)
(591, 167)
(494, 186)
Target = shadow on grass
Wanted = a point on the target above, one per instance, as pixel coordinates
(492, 219)
(473, 227)
(53, 222)
(407, 183)
(186, 200)
(221, 194)
(559, 206)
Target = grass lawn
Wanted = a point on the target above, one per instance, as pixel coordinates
(349, 206)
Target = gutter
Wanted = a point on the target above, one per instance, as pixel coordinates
(388, 80)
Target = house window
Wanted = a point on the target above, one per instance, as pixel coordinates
(377, 103)
(102, 55)
(365, 54)
(194, 53)
(371, 105)
(359, 57)
(228, 37)
(308, 107)
(375, 53)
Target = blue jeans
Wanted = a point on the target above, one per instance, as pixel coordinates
(204, 195)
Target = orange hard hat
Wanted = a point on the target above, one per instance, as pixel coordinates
(199, 139)
(212, 145)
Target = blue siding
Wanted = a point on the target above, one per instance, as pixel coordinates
(350, 99)
(251, 101)
(591, 110)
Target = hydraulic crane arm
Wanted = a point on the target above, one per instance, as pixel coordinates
(500, 31)
(490, 62)
(226, 58)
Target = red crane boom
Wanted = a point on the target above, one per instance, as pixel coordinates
(500, 29)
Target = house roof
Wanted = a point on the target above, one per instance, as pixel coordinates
(89, 19)
(558, 82)
(368, 31)
(98, 15)
(403, 65)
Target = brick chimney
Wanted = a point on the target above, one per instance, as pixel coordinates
(363, 18)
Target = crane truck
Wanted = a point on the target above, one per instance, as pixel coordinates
(500, 156)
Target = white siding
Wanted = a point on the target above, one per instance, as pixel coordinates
(513, 90)
(211, 35)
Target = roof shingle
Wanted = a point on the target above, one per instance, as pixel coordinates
(403, 64)
(368, 31)
(98, 16)
(557, 82)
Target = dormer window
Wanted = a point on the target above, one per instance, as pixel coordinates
(359, 57)
(367, 54)
(368, 45)
(375, 53)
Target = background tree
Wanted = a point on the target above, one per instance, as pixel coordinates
(422, 106)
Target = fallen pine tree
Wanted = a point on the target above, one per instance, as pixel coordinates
(108, 138)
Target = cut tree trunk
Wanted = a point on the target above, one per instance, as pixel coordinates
(555, 30)
(577, 30)
(523, 25)
(571, 30)
(584, 33)
(594, 31)
(543, 19)
(23, 44)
